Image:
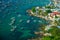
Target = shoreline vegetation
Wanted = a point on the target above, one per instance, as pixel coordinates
(50, 13)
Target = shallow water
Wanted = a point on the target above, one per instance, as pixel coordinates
(27, 24)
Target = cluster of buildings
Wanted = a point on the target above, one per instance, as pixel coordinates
(54, 15)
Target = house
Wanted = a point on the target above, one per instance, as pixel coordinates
(55, 13)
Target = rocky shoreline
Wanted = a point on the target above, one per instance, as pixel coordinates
(48, 13)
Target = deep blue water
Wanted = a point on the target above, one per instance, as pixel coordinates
(13, 8)
(23, 5)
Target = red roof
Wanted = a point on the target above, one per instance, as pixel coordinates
(54, 13)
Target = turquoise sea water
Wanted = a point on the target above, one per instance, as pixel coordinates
(25, 24)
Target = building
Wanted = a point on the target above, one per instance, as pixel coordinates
(54, 15)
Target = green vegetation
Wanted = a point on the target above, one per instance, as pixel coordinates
(56, 17)
(54, 31)
(48, 11)
(50, 7)
(55, 34)
(33, 9)
(46, 38)
(43, 12)
(40, 12)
